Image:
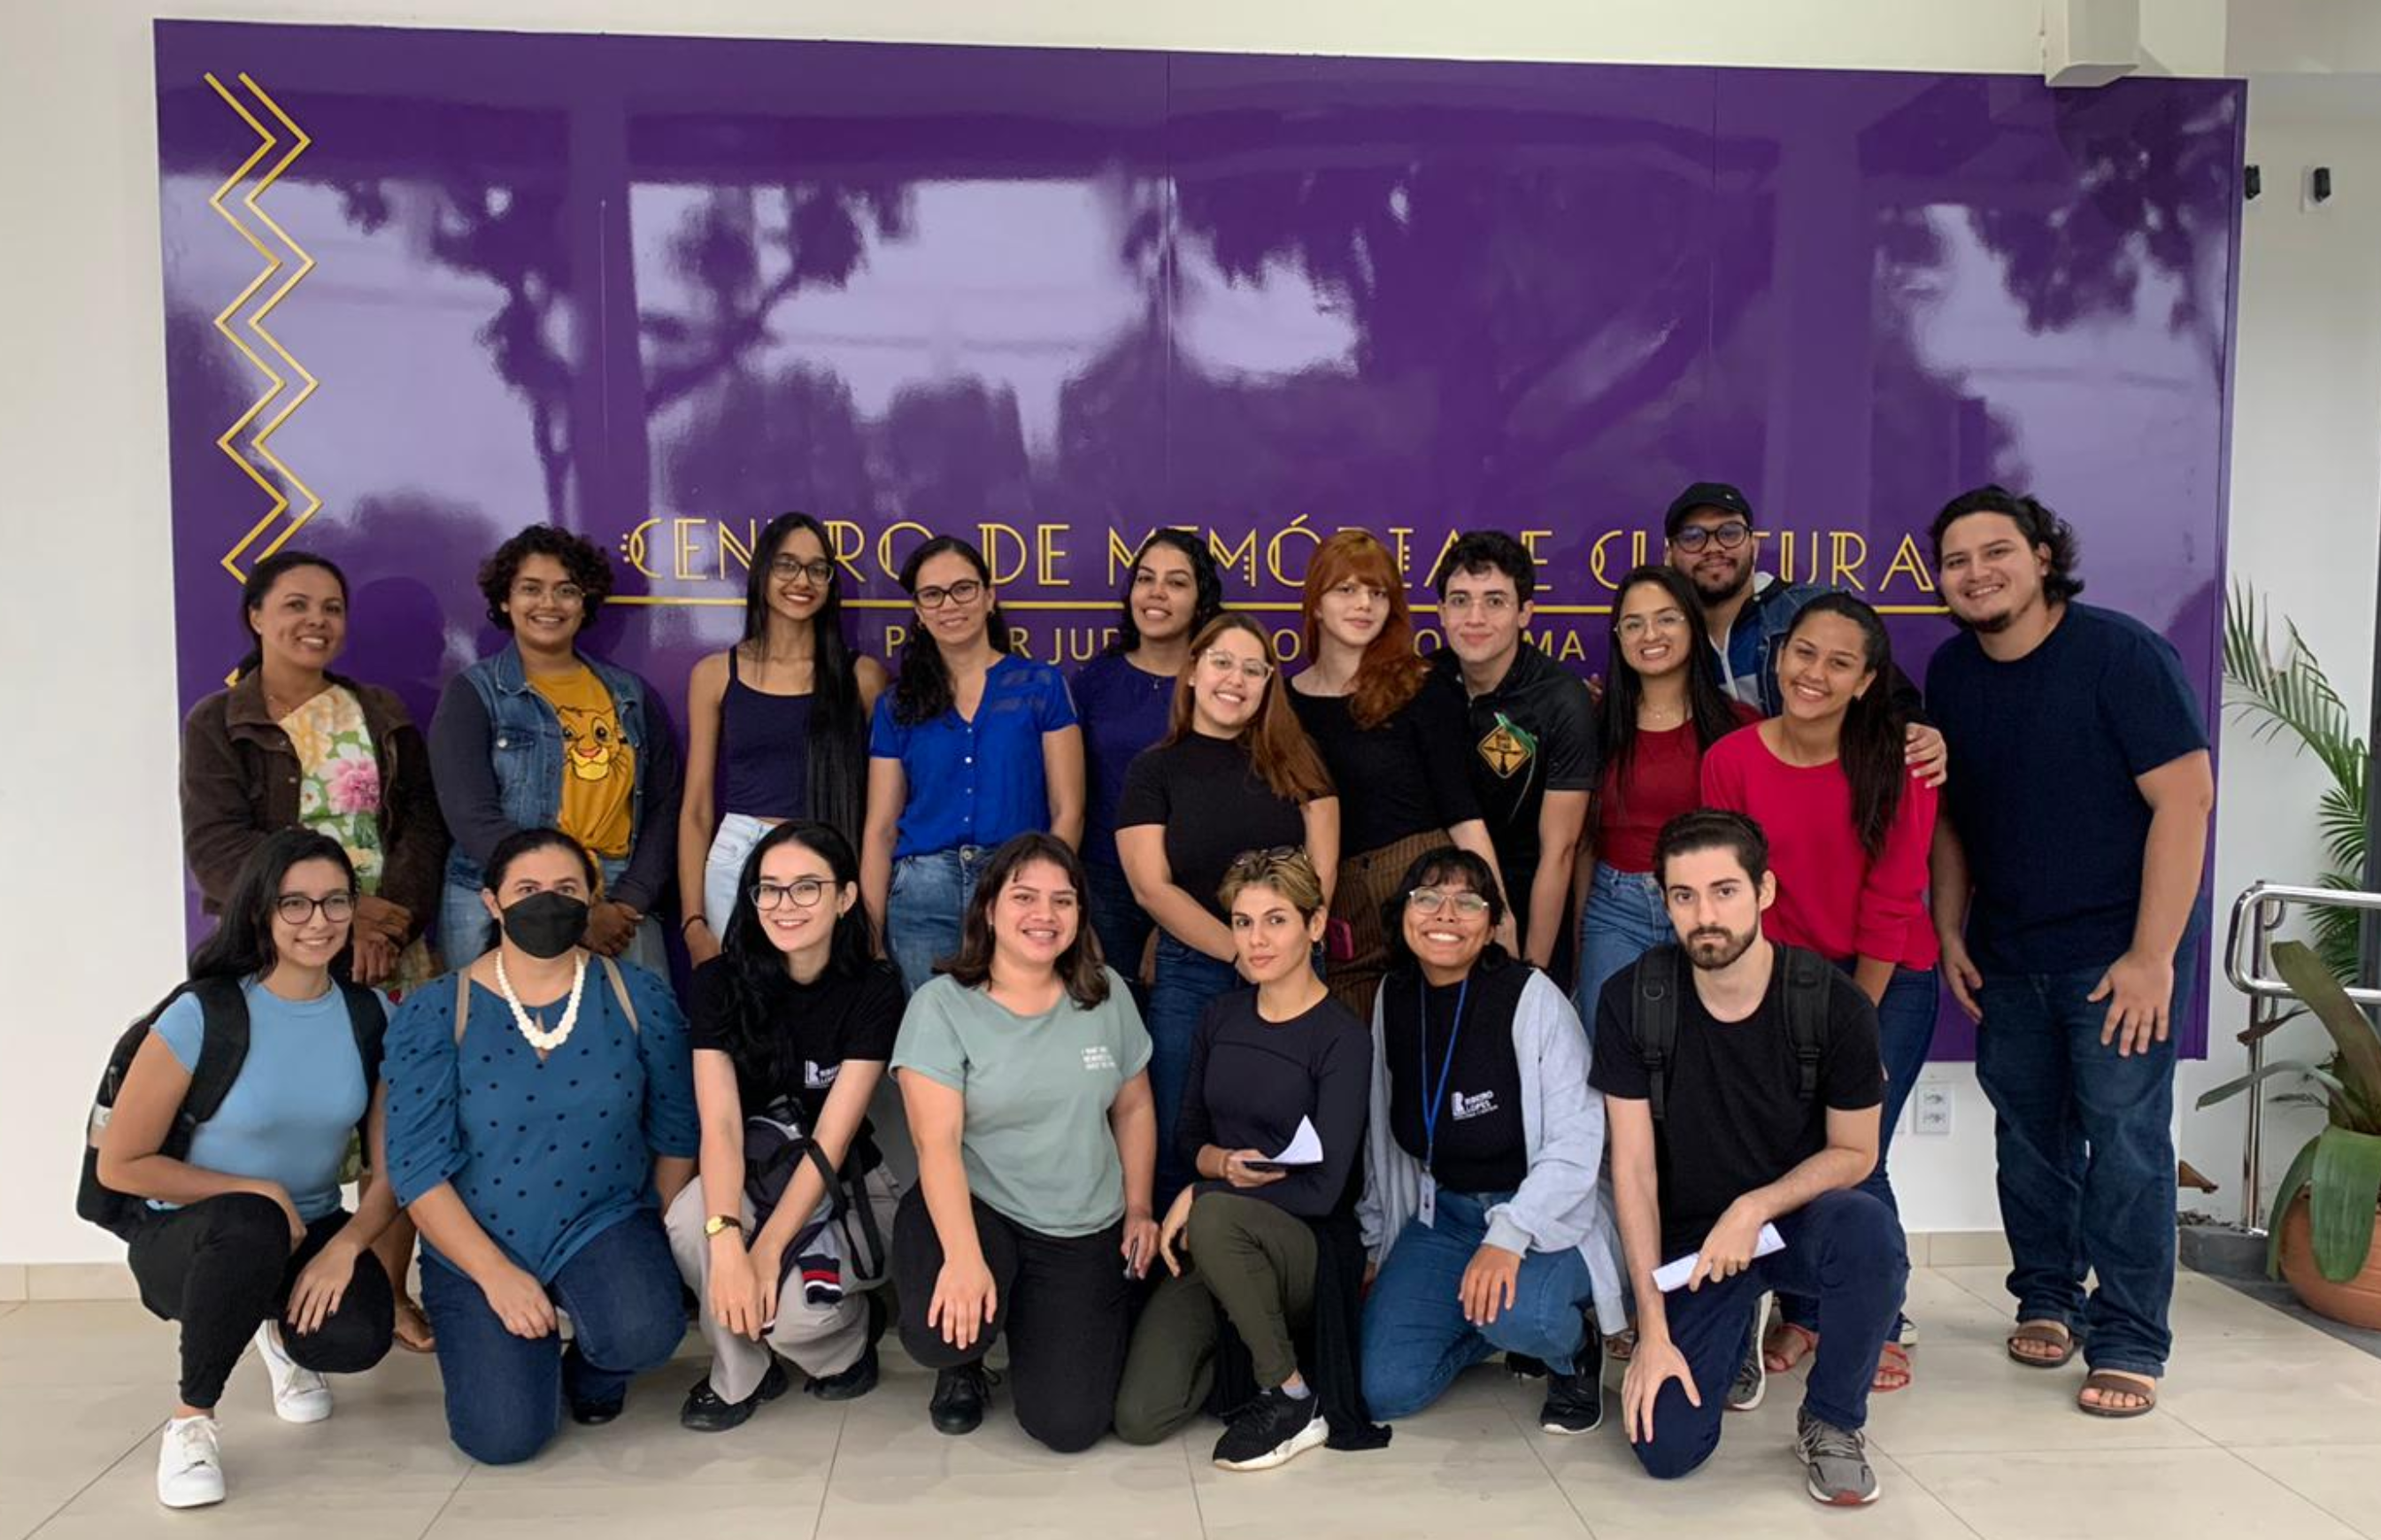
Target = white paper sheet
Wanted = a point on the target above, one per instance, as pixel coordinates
(1306, 1148)
(1674, 1274)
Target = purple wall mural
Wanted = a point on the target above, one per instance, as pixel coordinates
(423, 287)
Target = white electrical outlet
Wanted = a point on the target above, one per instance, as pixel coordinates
(1930, 1110)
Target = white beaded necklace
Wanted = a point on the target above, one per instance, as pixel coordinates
(542, 1041)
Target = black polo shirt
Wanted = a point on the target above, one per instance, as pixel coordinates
(1534, 733)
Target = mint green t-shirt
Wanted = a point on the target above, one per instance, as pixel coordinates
(1037, 1144)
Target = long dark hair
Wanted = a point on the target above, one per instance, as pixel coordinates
(1207, 603)
(921, 691)
(758, 1041)
(259, 587)
(1431, 868)
(838, 757)
(1870, 747)
(241, 947)
(1708, 710)
(1078, 967)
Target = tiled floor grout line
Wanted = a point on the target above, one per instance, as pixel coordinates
(2344, 1520)
(826, 1486)
(154, 1429)
(1538, 1454)
(1190, 1474)
(446, 1503)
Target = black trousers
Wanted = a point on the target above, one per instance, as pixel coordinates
(222, 1265)
(1060, 1301)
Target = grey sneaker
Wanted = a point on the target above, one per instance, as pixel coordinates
(1837, 1463)
(1751, 1382)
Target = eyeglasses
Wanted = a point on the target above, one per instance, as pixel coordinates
(1664, 620)
(296, 908)
(1431, 900)
(1695, 537)
(568, 595)
(964, 592)
(786, 568)
(802, 893)
(1255, 670)
(1492, 603)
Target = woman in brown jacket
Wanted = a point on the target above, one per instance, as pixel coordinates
(292, 745)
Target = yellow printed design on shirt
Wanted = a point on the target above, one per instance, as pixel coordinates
(599, 768)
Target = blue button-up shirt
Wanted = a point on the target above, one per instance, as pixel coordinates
(976, 782)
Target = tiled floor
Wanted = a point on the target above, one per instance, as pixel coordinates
(2270, 1429)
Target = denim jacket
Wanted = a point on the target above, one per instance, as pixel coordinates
(1748, 662)
(496, 747)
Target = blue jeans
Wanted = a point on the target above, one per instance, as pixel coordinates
(504, 1393)
(1905, 1031)
(2086, 1144)
(923, 911)
(1843, 1249)
(1122, 925)
(1188, 981)
(1624, 919)
(1416, 1340)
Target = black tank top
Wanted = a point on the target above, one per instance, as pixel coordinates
(764, 751)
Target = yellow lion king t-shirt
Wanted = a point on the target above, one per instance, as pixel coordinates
(599, 769)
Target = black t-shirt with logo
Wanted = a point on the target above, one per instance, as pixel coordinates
(1534, 733)
(1213, 805)
(1482, 1145)
(1735, 1119)
(823, 1023)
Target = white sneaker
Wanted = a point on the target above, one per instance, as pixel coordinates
(300, 1395)
(189, 1464)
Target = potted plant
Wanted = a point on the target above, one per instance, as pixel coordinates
(2324, 1242)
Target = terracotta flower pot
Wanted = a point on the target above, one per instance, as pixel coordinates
(2357, 1301)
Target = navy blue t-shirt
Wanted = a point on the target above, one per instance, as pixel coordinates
(2045, 752)
(1124, 710)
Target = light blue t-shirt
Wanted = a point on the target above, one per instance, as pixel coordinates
(300, 1095)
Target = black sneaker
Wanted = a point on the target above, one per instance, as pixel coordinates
(1522, 1366)
(585, 1410)
(1272, 1430)
(1575, 1400)
(1751, 1382)
(961, 1396)
(860, 1378)
(705, 1413)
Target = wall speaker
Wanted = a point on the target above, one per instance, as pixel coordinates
(2089, 43)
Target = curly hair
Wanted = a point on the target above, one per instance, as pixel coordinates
(581, 560)
(2042, 529)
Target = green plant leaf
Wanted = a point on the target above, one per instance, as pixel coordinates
(2344, 1188)
(2280, 1067)
(2359, 1047)
(2293, 1180)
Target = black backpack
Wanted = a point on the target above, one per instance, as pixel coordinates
(1660, 974)
(221, 1053)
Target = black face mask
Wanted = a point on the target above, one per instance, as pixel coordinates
(546, 925)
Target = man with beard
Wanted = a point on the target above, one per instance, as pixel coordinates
(1741, 1084)
(1710, 531)
(2066, 884)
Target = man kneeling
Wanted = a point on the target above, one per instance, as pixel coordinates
(1743, 1092)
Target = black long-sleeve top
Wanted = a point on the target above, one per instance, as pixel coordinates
(1252, 1080)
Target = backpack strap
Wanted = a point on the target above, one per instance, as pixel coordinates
(222, 1048)
(369, 1020)
(1654, 1023)
(1810, 981)
(620, 991)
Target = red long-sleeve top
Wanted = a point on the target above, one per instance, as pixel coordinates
(1831, 897)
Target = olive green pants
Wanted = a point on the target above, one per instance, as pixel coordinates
(1245, 1257)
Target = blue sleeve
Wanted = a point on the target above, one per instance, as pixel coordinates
(1055, 708)
(2149, 706)
(183, 1025)
(671, 1128)
(425, 1147)
(886, 737)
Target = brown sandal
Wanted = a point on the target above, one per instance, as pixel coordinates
(2109, 1382)
(2049, 1332)
(1786, 1346)
(412, 1328)
(1892, 1369)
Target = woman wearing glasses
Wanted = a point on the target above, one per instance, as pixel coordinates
(1395, 740)
(542, 735)
(243, 1235)
(1663, 707)
(973, 744)
(777, 725)
(1480, 1201)
(1125, 697)
(792, 1024)
(1235, 770)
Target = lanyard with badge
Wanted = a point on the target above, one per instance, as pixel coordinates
(1434, 1097)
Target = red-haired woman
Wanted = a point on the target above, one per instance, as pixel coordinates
(1393, 738)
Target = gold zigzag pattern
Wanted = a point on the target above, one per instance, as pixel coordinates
(277, 384)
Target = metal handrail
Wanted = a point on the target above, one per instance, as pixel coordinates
(2257, 914)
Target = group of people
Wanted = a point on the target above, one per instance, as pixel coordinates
(1265, 1046)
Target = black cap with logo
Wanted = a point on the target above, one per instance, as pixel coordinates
(1705, 494)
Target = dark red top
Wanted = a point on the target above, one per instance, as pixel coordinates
(1831, 898)
(1664, 779)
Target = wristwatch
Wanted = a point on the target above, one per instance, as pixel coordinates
(718, 1222)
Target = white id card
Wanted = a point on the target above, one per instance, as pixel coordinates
(1427, 1211)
